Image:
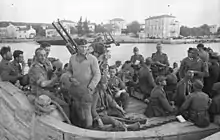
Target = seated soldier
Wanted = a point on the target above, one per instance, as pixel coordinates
(214, 109)
(195, 107)
(105, 105)
(7, 71)
(171, 84)
(117, 66)
(184, 88)
(39, 81)
(159, 104)
(118, 88)
(146, 80)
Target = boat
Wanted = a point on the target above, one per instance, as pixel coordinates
(19, 122)
(215, 136)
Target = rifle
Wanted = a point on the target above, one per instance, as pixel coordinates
(71, 49)
(116, 43)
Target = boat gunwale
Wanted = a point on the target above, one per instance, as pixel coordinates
(148, 133)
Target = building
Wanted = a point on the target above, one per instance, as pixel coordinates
(51, 32)
(213, 29)
(26, 32)
(118, 24)
(142, 27)
(91, 26)
(164, 26)
(12, 31)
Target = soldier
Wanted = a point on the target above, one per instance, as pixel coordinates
(118, 88)
(214, 109)
(159, 104)
(7, 71)
(85, 72)
(196, 105)
(184, 88)
(146, 80)
(136, 56)
(204, 55)
(18, 61)
(195, 64)
(160, 60)
(40, 82)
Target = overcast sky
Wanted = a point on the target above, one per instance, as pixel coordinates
(188, 12)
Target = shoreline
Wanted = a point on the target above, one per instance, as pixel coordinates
(59, 41)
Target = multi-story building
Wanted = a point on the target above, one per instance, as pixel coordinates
(26, 32)
(164, 26)
(51, 32)
(68, 24)
(118, 24)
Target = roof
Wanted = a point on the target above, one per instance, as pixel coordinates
(161, 16)
(67, 21)
(117, 19)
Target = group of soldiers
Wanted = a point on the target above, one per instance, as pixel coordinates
(190, 90)
(90, 91)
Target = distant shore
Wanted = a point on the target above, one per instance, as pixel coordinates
(119, 39)
(15, 40)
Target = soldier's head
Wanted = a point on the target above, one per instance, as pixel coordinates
(6, 53)
(194, 53)
(40, 55)
(112, 71)
(200, 46)
(175, 65)
(136, 50)
(216, 88)
(66, 66)
(46, 47)
(148, 61)
(117, 63)
(197, 85)
(18, 56)
(159, 47)
(161, 81)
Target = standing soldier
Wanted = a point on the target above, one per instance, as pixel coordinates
(85, 72)
(136, 56)
(160, 60)
(195, 64)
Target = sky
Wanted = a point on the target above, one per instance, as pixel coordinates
(188, 12)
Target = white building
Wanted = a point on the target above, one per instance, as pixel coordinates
(164, 26)
(118, 24)
(91, 26)
(213, 29)
(12, 31)
(51, 32)
(23, 32)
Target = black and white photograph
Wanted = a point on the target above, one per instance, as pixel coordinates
(109, 70)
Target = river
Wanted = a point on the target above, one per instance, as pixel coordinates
(123, 52)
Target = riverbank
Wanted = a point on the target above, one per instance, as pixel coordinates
(15, 40)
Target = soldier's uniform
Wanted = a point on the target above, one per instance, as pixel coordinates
(115, 84)
(7, 72)
(37, 74)
(195, 65)
(162, 58)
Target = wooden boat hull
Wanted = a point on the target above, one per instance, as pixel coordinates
(215, 136)
(18, 122)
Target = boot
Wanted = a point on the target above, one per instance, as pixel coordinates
(134, 126)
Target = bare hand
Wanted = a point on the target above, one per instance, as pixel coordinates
(100, 123)
(74, 81)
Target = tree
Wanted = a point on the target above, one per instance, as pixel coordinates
(85, 27)
(99, 29)
(80, 26)
(109, 27)
(73, 30)
(134, 27)
(39, 30)
(218, 31)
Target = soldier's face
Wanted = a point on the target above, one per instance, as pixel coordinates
(8, 56)
(47, 49)
(112, 72)
(21, 58)
(159, 48)
(82, 49)
(41, 56)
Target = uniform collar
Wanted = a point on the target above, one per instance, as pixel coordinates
(86, 55)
